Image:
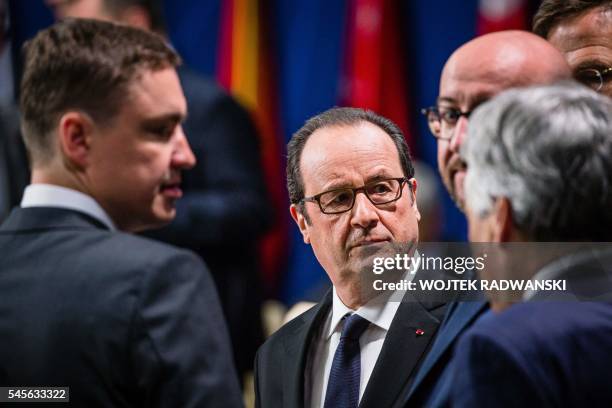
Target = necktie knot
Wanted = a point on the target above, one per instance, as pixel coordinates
(354, 326)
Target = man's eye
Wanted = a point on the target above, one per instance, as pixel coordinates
(165, 131)
(342, 197)
(588, 76)
(450, 115)
(380, 188)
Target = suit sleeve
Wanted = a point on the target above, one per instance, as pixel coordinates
(225, 196)
(256, 375)
(181, 355)
(489, 373)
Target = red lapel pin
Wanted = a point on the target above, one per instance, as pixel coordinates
(419, 332)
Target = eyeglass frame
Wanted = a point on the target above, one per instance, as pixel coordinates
(317, 197)
(436, 111)
(600, 74)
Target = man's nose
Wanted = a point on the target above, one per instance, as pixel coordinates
(364, 213)
(459, 134)
(183, 157)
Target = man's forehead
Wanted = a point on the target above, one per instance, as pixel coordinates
(335, 151)
(592, 28)
(156, 90)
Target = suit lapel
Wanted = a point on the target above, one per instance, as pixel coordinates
(461, 316)
(401, 353)
(297, 346)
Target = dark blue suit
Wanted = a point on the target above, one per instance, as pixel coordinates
(122, 320)
(544, 353)
(433, 383)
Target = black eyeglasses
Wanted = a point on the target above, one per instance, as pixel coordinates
(343, 199)
(594, 78)
(449, 116)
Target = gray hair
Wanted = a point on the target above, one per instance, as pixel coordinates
(548, 150)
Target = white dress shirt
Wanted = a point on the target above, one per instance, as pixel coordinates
(48, 195)
(321, 355)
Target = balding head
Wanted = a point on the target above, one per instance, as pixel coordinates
(516, 58)
(477, 71)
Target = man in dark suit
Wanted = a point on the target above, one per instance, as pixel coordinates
(540, 171)
(121, 320)
(351, 184)
(225, 208)
(14, 172)
(475, 72)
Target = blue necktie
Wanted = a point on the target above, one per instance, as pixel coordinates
(343, 386)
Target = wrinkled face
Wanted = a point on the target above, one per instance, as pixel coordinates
(79, 9)
(351, 156)
(586, 43)
(135, 160)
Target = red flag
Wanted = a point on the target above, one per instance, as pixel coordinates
(498, 15)
(374, 75)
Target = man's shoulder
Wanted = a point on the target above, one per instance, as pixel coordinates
(290, 329)
(118, 246)
(532, 328)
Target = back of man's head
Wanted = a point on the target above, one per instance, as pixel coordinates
(548, 151)
(82, 65)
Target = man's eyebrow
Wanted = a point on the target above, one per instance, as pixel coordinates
(174, 117)
(445, 99)
(382, 175)
(336, 185)
(590, 64)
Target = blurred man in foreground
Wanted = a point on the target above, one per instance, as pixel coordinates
(540, 169)
(225, 208)
(352, 189)
(582, 31)
(475, 72)
(121, 320)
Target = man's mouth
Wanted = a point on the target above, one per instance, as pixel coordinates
(172, 189)
(369, 241)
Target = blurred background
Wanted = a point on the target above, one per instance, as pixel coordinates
(286, 60)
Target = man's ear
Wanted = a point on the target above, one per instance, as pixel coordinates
(301, 222)
(412, 188)
(503, 224)
(75, 135)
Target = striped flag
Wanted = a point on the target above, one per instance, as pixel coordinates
(246, 70)
(498, 15)
(374, 74)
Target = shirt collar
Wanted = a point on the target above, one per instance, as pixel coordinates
(48, 195)
(377, 312)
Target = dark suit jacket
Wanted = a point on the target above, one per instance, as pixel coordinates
(544, 353)
(121, 320)
(225, 208)
(13, 160)
(433, 383)
(281, 361)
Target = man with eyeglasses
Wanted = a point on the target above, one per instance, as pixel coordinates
(474, 73)
(582, 31)
(352, 189)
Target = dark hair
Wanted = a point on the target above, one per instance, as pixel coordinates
(85, 65)
(552, 12)
(339, 117)
(152, 7)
